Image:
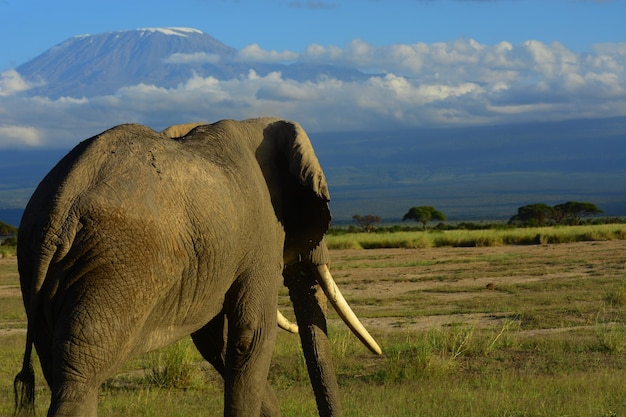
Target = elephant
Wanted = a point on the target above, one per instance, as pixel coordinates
(138, 238)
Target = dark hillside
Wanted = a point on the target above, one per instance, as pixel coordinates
(20, 172)
(467, 173)
(477, 172)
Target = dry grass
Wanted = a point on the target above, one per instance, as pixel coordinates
(478, 238)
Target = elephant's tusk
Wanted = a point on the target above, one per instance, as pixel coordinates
(285, 324)
(342, 308)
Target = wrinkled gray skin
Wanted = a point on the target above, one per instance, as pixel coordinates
(135, 240)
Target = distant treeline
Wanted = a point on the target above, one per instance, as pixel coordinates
(483, 225)
(570, 213)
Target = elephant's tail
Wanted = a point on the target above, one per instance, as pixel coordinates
(24, 384)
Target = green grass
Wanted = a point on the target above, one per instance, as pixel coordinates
(174, 366)
(6, 251)
(478, 238)
(12, 314)
(8, 272)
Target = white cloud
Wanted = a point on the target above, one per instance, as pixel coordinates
(193, 58)
(19, 136)
(11, 82)
(461, 82)
(610, 48)
(400, 89)
(288, 90)
(254, 53)
(521, 108)
(551, 60)
(321, 53)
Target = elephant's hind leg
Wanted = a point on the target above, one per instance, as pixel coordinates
(70, 394)
(89, 345)
(251, 315)
(77, 373)
(74, 387)
(210, 341)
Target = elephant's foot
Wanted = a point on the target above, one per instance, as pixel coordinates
(270, 407)
(72, 401)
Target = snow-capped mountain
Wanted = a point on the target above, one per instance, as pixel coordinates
(90, 65)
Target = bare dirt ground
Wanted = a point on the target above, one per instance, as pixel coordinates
(418, 289)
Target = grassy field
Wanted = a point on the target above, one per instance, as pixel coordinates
(466, 330)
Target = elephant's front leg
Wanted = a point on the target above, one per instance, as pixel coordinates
(251, 334)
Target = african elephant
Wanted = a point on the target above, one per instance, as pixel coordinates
(136, 239)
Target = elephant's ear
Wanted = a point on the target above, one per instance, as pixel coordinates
(301, 198)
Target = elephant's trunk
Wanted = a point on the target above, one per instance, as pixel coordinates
(309, 304)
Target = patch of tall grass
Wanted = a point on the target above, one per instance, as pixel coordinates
(380, 240)
(612, 337)
(477, 238)
(439, 351)
(7, 250)
(174, 366)
(609, 329)
(617, 296)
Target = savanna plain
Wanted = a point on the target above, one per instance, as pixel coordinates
(482, 329)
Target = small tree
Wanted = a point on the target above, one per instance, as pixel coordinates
(7, 229)
(572, 212)
(533, 215)
(424, 214)
(540, 214)
(366, 222)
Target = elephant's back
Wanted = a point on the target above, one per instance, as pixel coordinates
(127, 175)
(89, 163)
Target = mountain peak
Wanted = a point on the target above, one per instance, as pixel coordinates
(172, 31)
(100, 64)
(88, 65)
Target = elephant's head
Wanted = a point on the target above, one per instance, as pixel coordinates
(301, 202)
(300, 197)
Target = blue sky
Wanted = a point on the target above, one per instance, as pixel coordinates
(433, 63)
(29, 27)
